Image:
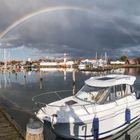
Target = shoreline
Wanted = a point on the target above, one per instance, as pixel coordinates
(88, 68)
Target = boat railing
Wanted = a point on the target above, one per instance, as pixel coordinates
(35, 99)
(40, 104)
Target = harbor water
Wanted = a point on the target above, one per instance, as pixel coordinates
(17, 90)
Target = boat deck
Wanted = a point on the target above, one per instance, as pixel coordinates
(8, 128)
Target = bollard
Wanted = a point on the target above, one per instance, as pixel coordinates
(34, 130)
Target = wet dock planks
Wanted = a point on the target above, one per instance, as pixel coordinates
(8, 128)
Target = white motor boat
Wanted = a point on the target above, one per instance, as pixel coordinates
(104, 106)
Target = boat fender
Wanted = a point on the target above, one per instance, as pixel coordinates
(95, 128)
(53, 119)
(127, 115)
(137, 95)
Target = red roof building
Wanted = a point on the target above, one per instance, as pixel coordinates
(132, 62)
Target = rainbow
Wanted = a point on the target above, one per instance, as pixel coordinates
(46, 10)
(59, 8)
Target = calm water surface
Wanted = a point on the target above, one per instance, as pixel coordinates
(17, 91)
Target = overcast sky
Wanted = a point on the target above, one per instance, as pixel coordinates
(81, 29)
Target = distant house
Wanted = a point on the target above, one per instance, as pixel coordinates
(67, 64)
(48, 64)
(117, 62)
(132, 62)
(92, 63)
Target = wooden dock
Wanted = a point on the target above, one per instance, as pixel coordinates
(8, 128)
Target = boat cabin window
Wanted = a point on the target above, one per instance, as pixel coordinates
(102, 95)
(111, 95)
(118, 92)
(132, 89)
(122, 91)
(93, 94)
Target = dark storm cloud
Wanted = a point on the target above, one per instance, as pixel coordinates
(113, 26)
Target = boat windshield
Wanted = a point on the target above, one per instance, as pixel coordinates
(93, 94)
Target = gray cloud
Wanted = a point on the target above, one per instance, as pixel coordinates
(113, 26)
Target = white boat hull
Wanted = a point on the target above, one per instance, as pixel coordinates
(82, 131)
(111, 121)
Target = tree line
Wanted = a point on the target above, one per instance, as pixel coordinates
(125, 58)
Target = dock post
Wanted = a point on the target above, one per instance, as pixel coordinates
(24, 73)
(34, 130)
(73, 82)
(16, 75)
(65, 74)
(74, 89)
(41, 84)
(73, 77)
(9, 74)
(41, 75)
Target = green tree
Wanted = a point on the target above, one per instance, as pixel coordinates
(124, 58)
(13, 62)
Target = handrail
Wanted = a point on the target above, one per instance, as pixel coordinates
(50, 92)
(56, 92)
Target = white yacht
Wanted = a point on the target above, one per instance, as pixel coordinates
(104, 106)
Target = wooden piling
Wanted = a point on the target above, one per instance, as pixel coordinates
(41, 76)
(24, 73)
(34, 130)
(73, 77)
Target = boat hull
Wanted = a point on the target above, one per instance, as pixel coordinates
(84, 130)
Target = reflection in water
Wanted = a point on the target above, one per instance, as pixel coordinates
(132, 132)
(17, 92)
(65, 75)
(74, 89)
(132, 71)
(16, 76)
(41, 84)
(73, 76)
(5, 80)
(41, 75)
(25, 80)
